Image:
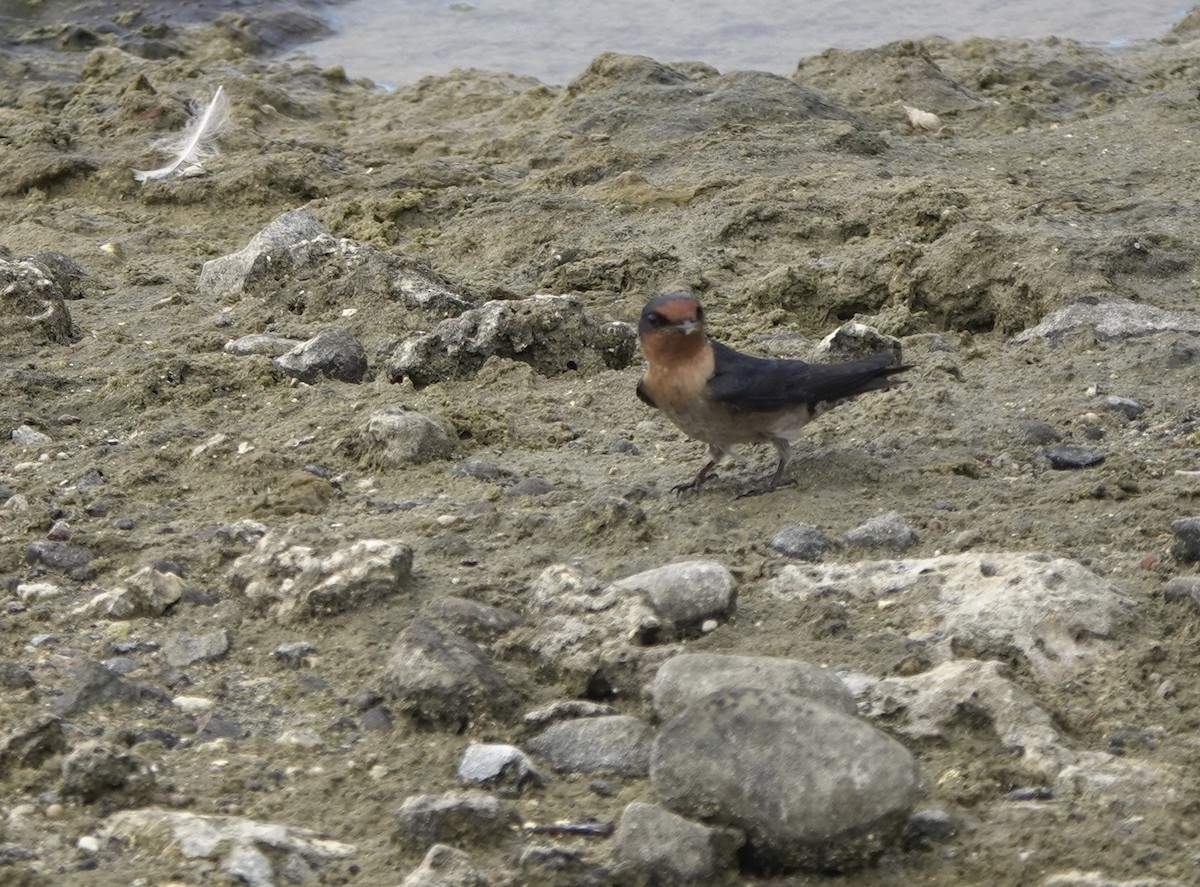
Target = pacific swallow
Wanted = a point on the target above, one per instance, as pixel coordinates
(722, 397)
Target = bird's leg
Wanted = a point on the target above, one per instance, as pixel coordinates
(703, 474)
(785, 458)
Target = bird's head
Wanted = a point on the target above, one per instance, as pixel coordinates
(672, 328)
(671, 314)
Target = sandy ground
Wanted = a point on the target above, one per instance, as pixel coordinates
(1054, 171)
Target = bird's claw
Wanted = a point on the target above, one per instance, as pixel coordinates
(770, 486)
(694, 484)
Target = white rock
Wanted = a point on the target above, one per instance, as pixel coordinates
(193, 705)
(1057, 614)
(932, 704)
(31, 592)
(291, 580)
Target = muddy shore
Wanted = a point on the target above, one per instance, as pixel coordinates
(146, 468)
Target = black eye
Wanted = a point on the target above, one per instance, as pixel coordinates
(655, 319)
(699, 314)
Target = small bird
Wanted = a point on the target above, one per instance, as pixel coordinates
(723, 397)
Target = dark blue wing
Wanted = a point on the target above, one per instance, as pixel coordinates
(760, 384)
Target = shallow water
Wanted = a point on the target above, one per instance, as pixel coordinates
(399, 41)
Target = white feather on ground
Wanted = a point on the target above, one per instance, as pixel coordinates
(197, 142)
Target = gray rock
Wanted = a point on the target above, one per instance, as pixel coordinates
(442, 679)
(62, 269)
(397, 436)
(182, 650)
(614, 744)
(243, 532)
(1110, 320)
(683, 595)
(260, 854)
(121, 665)
(473, 618)
(802, 542)
(1131, 409)
(491, 764)
(889, 530)
(553, 334)
(445, 866)
(32, 303)
(470, 817)
(94, 769)
(481, 469)
(689, 677)
(30, 743)
(1183, 588)
(655, 846)
(291, 580)
(261, 343)
(1187, 538)
(335, 354)
(232, 273)
(1069, 456)
(834, 799)
(529, 486)
(27, 436)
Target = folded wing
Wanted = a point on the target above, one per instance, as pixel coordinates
(763, 385)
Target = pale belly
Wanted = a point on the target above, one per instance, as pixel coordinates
(724, 428)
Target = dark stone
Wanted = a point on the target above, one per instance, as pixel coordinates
(58, 555)
(336, 354)
(31, 742)
(928, 827)
(377, 719)
(529, 486)
(292, 655)
(14, 677)
(96, 685)
(1068, 456)
(1187, 538)
(1036, 432)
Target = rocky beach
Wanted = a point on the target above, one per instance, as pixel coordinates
(336, 548)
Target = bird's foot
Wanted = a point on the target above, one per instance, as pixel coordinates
(694, 484)
(770, 486)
